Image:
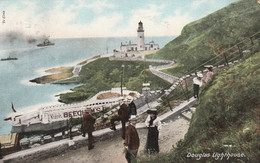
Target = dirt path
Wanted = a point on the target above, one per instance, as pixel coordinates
(111, 151)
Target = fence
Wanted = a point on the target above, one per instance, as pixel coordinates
(232, 55)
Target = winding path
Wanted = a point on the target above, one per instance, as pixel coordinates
(156, 70)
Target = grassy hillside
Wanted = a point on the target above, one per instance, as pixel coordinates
(103, 74)
(205, 38)
(226, 119)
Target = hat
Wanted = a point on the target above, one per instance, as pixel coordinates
(125, 100)
(133, 118)
(200, 75)
(208, 66)
(130, 98)
(152, 111)
(88, 109)
(120, 98)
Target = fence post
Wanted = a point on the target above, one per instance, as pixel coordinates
(63, 134)
(168, 103)
(52, 137)
(186, 85)
(251, 39)
(226, 58)
(42, 140)
(184, 92)
(240, 51)
(1, 151)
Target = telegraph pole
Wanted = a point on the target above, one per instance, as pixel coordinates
(122, 74)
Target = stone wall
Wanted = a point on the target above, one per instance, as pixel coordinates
(143, 100)
(112, 58)
(165, 76)
(43, 152)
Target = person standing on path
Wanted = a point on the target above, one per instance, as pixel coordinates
(153, 124)
(132, 141)
(131, 106)
(70, 125)
(122, 116)
(197, 83)
(88, 122)
(209, 73)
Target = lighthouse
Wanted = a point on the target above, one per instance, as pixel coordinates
(135, 50)
(140, 36)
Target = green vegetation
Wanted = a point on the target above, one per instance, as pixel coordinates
(230, 107)
(103, 74)
(203, 39)
(226, 119)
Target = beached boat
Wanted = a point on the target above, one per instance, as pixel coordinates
(53, 119)
(9, 58)
(46, 42)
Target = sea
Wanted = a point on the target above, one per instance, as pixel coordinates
(32, 62)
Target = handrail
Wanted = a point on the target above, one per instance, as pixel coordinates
(222, 53)
(221, 60)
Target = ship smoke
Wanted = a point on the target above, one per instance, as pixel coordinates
(13, 36)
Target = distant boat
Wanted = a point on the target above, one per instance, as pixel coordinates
(9, 58)
(46, 42)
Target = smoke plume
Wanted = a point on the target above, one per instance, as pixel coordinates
(13, 36)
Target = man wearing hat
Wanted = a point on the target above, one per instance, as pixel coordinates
(122, 116)
(131, 106)
(197, 83)
(88, 122)
(132, 141)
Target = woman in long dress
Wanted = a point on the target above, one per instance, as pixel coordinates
(209, 73)
(153, 124)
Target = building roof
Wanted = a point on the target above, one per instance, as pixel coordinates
(150, 44)
(130, 45)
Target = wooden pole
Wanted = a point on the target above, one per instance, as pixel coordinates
(1, 151)
(240, 51)
(184, 92)
(226, 58)
(187, 89)
(168, 103)
(251, 39)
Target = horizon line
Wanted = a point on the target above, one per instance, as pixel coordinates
(107, 37)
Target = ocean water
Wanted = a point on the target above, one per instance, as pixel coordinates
(33, 61)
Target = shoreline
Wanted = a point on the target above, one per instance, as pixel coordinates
(61, 72)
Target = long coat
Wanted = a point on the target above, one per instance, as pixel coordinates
(131, 109)
(131, 138)
(123, 112)
(88, 122)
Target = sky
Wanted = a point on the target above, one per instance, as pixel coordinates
(102, 18)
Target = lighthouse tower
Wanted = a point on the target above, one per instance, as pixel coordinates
(140, 36)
